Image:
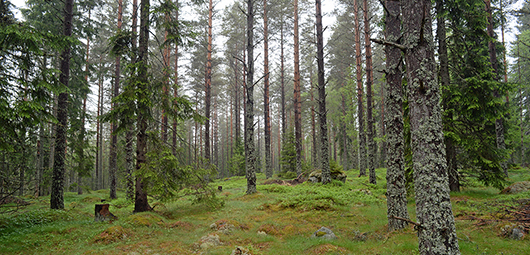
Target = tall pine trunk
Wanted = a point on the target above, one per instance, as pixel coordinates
(324, 149)
(266, 107)
(114, 138)
(208, 88)
(360, 108)
(175, 85)
(437, 234)
(499, 123)
(297, 97)
(141, 204)
(369, 81)
(395, 174)
(450, 147)
(56, 199)
(250, 155)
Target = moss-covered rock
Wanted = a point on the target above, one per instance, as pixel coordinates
(112, 234)
(517, 187)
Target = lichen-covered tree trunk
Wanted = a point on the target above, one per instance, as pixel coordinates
(250, 156)
(140, 202)
(322, 114)
(360, 108)
(499, 123)
(396, 197)
(437, 234)
(56, 198)
(314, 151)
(369, 81)
(450, 148)
(266, 107)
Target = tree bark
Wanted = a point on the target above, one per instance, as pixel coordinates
(175, 85)
(266, 107)
(250, 156)
(369, 81)
(297, 97)
(450, 147)
(499, 123)
(129, 136)
(360, 108)
(141, 204)
(433, 205)
(208, 88)
(395, 175)
(56, 199)
(326, 176)
(114, 138)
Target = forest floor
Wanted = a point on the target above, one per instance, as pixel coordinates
(279, 219)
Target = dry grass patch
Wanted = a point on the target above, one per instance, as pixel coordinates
(182, 225)
(326, 249)
(112, 234)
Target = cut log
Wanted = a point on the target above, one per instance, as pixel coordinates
(102, 213)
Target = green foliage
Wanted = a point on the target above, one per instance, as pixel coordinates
(33, 217)
(288, 153)
(236, 164)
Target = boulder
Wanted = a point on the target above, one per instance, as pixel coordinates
(517, 188)
(316, 176)
(324, 233)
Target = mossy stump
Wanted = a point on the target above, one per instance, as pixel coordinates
(102, 213)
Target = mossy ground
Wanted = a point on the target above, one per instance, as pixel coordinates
(355, 211)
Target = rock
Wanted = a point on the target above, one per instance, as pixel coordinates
(324, 233)
(517, 188)
(262, 233)
(213, 226)
(316, 176)
(208, 241)
(517, 234)
(513, 231)
(240, 251)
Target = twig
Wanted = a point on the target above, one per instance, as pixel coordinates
(383, 42)
(407, 220)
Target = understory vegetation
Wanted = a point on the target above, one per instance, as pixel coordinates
(278, 219)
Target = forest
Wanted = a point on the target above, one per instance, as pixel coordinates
(264, 127)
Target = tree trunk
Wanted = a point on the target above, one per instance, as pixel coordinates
(395, 175)
(314, 150)
(114, 138)
(208, 95)
(98, 126)
(81, 165)
(141, 204)
(56, 199)
(369, 82)
(326, 176)
(499, 123)
(345, 150)
(250, 156)
(129, 136)
(282, 84)
(360, 108)
(437, 234)
(297, 97)
(266, 107)
(450, 148)
(175, 86)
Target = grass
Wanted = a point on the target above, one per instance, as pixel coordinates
(355, 211)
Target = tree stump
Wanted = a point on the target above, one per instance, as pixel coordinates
(102, 213)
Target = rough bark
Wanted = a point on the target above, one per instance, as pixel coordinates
(282, 83)
(314, 151)
(266, 107)
(114, 138)
(450, 147)
(437, 234)
(297, 97)
(140, 203)
(369, 81)
(175, 86)
(360, 108)
(56, 199)
(208, 88)
(499, 123)
(324, 149)
(395, 175)
(98, 127)
(129, 136)
(250, 156)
